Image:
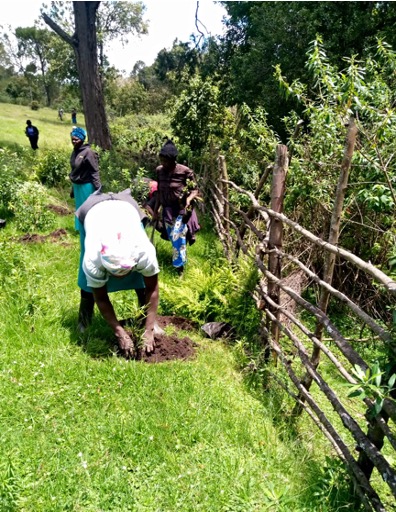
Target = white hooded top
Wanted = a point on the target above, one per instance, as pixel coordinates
(114, 233)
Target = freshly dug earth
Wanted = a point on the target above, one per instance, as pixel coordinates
(35, 238)
(169, 347)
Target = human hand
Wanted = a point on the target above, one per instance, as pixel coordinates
(125, 344)
(148, 342)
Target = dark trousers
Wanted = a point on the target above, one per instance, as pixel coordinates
(33, 142)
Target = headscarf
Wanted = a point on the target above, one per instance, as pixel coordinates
(169, 150)
(117, 255)
(78, 132)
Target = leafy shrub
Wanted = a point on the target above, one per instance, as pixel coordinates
(34, 105)
(14, 170)
(29, 204)
(53, 168)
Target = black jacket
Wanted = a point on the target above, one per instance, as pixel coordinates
(85, 166)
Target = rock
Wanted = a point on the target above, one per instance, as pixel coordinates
(215, 330)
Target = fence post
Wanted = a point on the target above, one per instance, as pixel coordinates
(333, 239)
(224, 188)
(251, 212)
(276, 237)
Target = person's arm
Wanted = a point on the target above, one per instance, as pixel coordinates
(192, 195)
(156, 207)
(93, 161)
(106, 309)
(152, 297)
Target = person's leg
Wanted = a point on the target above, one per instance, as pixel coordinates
(85, 312)
(177, 236)
(141, 295)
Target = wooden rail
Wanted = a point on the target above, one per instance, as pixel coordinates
(275, 260)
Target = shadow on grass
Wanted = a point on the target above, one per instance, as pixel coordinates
(329, 487)
(97, 340)
(13, 146)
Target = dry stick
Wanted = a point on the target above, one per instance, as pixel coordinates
(377, 274)
(338, 450)
(364, 488)
(353, 357)
(333, 239)
(276, 227)
(382, 333)
(379, 419)
(250, 213)
(360, 478)
(225, 208)
(384, 427)
(384, 468)
(220, 217)
(224, 176)
(219, 229)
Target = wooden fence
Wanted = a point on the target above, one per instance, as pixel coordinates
(358, 429)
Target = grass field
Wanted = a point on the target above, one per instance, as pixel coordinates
(53, 132)
(84, 430)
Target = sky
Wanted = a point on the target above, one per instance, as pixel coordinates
(168, 20)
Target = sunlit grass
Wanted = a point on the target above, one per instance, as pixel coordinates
(84, 430)
(53, 132)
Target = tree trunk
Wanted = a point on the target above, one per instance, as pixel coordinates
(84, 44)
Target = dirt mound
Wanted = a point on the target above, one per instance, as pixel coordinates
(177, 321)
(35, 238)
(169, 347)
(59, 210)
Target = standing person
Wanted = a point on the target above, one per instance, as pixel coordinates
(117, 255)
(84, 164)
(177, 189)
(60, 114)
(74, 116)
(32, 134)
(85, 180)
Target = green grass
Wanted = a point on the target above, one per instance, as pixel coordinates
(84, 430)
(53, 132)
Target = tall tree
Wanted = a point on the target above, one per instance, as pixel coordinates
(261, 35)
(84, 44)
(35, 43)
(118, 20)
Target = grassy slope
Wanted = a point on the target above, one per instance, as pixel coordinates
(53, 132)
(83, 430)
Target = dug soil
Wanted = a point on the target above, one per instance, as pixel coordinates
(169, 347)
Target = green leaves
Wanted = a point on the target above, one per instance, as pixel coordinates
(371, 385)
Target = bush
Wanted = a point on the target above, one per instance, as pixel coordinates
(14, 170)
(29, 206)
(34, 105)
(53, 168)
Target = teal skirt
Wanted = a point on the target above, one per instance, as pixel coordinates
(132, 281)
